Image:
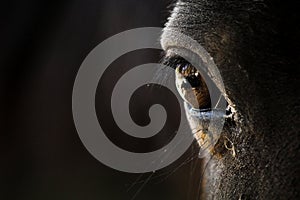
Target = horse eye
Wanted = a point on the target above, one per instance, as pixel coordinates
(189, 82)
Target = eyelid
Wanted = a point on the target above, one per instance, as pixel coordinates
(206, 114)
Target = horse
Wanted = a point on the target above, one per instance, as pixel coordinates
(255, 46)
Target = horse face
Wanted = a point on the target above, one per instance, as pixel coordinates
(254, 44)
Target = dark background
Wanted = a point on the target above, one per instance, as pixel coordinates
(43, 44)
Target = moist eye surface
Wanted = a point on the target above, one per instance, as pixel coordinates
(191, 74)
(189, 82)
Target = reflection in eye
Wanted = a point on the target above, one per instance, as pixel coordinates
(190, 84)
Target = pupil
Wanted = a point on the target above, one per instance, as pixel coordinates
(194, 81)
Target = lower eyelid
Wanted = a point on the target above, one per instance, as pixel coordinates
(206, 114)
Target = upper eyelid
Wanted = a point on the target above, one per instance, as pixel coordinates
(175, 42)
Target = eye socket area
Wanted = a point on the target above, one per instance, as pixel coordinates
(190, 83)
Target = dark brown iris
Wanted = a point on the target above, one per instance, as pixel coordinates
(197, 86)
